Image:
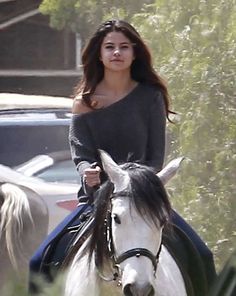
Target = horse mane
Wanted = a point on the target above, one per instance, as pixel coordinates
(13, 204)
(147, 194)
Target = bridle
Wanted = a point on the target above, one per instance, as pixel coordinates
(135, 252)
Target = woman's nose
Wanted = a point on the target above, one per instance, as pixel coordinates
(116, 51)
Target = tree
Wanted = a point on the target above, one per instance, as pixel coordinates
(84, 17)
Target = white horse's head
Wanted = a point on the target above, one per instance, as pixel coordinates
(139, 210)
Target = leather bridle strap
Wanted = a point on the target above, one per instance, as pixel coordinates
(137, 252)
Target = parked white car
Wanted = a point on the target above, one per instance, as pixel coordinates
(31, 127)
(54, 167)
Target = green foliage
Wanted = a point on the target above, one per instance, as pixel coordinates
(14, 288)
(85, 16)
(72, 14)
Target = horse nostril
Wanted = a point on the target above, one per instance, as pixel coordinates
(132, 290)
(127, 290)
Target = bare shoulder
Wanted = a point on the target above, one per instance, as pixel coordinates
(79, 107)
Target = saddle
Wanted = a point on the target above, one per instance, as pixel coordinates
(57, 251)
(175, 240)
(188, 260)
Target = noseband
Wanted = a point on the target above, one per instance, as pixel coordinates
(137, 252)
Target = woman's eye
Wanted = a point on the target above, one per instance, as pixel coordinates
(116, 219)
(109, 47)
(124, 47)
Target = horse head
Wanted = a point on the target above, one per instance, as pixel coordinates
(139, 209)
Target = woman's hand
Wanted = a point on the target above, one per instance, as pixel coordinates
(92, 176)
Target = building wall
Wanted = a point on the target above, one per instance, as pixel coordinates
(31, 52)
(32, 44)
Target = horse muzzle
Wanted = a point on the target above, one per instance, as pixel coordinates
(135, 289)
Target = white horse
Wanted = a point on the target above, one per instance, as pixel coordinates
(123, 253)
(23, 225)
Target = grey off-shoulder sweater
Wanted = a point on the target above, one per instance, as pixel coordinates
(132, 129)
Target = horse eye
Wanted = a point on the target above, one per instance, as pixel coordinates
(116, 219)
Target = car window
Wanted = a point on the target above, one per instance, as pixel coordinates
(63, 171)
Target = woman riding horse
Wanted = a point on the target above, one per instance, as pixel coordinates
(120, 106)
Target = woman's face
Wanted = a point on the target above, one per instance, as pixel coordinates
(117, 53)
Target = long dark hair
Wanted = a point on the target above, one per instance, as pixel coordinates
(141, 68)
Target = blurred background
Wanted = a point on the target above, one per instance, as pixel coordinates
(193, 44)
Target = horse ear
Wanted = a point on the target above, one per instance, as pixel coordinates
(117, 176)
(170, 170)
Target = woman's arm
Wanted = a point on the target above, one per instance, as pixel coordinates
(83, 150)
(157, 132)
